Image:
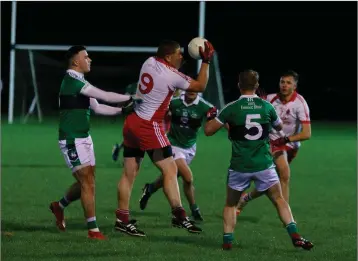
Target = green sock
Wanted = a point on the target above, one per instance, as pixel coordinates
(292, 228)
(228, 238)
(92, 224)
(194, 207)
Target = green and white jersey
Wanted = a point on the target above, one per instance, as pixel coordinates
(74, 107)
(250, 119)
(131, 89)
(186, 120)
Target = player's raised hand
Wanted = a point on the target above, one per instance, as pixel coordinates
(208, 53)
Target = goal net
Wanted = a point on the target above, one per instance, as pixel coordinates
(38, 76)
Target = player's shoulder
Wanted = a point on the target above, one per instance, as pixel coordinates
(170, 70)
(230, 105)
(300, 97)
(300, 101)
(72, 76)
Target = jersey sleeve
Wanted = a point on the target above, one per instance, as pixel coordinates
(223, 116)
(180, 80)
(303, 111)
(274, 119)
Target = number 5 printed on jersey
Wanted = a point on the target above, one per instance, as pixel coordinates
(249, 124)
(146, 83)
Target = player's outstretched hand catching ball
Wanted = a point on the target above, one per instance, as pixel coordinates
(208, 53)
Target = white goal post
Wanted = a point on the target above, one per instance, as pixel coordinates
(127, 49)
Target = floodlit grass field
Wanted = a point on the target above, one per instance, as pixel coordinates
(323, 200)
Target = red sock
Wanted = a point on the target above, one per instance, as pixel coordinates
(179, 213)
(122, 215)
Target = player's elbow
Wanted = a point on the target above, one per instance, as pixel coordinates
(197, 86)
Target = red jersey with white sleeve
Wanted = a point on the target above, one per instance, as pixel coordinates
(292, 113)
(158, 80)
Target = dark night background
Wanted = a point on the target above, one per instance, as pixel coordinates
(316, 39)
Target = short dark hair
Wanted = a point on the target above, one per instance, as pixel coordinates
(167, 47)
(248, 80)
(73, 51)
(291, 73)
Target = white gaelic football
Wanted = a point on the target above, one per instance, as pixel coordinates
(193, 47)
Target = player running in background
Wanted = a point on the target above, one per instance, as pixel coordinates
(144, 132)
(294, 113)
(250, 120)
(76, 98)
(187, 114)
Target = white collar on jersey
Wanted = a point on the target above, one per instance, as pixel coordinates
(81, 75)
(248, 96)
(196, 101)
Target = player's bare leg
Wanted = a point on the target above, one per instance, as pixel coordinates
(124, 191)
(170, 182)
(229, 216)
(188, 187)
(283, 170)
(285, 215)
(171, 190)
(86, 177)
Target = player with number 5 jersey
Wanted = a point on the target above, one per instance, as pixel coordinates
(250, 121)
(144, 131)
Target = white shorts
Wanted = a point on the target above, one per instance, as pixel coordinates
(187, 154)
(79, 153)
(264, 179)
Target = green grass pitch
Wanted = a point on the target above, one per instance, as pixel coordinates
(323, 201)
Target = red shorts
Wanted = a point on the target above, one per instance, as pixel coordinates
(291, 152)
(143, 134)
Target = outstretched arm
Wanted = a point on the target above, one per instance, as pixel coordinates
(103, 109)
(110, 97)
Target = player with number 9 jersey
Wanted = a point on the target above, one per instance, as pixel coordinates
(157, 83)
(144, 131)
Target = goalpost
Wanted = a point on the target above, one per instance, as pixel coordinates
(215, 95)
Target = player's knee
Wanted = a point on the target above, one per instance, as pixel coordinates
(169, 169)
(188, 182)
(279, 202)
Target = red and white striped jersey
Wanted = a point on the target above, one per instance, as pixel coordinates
(292, 113)
(157, 82)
